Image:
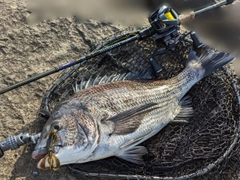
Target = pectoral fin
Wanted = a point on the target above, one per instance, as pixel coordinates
(134, 154)
(128, 121)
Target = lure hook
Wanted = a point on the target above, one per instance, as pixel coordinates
(50, 157)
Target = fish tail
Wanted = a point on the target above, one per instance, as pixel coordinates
(207, 61)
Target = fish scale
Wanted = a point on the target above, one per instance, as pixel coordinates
(111, 101)
(71, 133)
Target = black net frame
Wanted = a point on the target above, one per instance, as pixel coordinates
(205, 148)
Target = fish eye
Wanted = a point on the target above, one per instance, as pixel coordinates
(56, 126)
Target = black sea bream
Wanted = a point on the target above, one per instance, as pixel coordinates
(111, 118)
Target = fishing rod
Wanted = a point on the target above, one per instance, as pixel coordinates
(14, 142)
(164, 23)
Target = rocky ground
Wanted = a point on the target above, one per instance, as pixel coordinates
(25, 50)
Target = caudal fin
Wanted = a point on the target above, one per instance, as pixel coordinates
(209, 60)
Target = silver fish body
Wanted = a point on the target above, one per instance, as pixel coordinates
(112, 118)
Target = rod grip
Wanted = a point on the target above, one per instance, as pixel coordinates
(184, 18)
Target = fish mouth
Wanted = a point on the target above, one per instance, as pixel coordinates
(42, 152)
(39, 153)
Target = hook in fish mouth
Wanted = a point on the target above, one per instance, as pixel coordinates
(41, 153)
(47, 155)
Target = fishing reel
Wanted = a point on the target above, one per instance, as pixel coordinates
(165, 26)
(165, 22)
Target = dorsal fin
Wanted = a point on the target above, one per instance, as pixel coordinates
(103, 79)
(89, 82)
(96, 80)
(81, 83)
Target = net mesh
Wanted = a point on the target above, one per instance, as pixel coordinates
(205, 148)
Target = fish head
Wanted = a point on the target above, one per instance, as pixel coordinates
(76, 132)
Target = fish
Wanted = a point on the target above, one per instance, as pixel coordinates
(112, 115)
